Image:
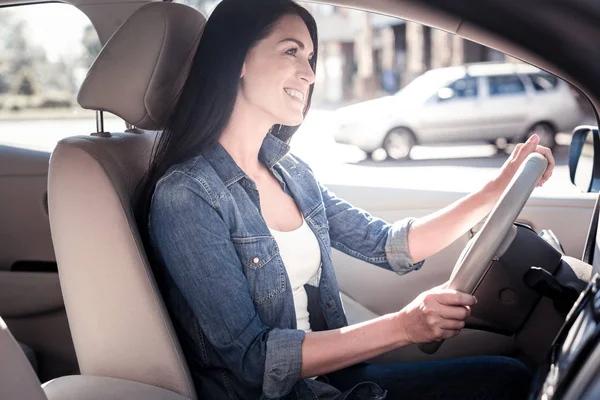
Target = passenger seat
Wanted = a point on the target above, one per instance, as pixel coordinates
(123, 336)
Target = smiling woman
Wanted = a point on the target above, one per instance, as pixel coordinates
(240, 234)
(389, 91)
(279, 69)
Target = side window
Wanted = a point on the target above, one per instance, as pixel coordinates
(543, 82)
(371, 120)
(464, 88)
(505, 84)
(45, 52)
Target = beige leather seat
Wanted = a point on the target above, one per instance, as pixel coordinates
(19, 381)
(118, 321)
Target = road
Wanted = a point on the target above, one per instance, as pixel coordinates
(456, 173)
(452, 168)
(448, 168)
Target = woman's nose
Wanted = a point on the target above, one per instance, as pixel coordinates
(307, 73)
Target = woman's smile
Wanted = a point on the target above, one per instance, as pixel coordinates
(296, 95)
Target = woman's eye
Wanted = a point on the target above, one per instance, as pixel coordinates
(291, 52)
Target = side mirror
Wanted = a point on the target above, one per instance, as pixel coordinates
(445, 94)
(584, 158)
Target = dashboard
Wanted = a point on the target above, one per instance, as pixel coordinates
(571, 359)
(572, 371)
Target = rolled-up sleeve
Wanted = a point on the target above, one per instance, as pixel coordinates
(282, 372)
(396, 247)
(371, 239)
(195, 247)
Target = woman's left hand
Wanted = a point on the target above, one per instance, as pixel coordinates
(518, 156)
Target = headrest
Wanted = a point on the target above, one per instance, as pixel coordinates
(141, 69)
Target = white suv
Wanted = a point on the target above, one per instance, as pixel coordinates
(475, 102)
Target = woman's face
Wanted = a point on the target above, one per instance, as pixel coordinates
(276, 75)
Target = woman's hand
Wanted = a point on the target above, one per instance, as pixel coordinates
(517, 157)
(436, 314)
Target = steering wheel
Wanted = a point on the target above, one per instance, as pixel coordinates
(476, 258)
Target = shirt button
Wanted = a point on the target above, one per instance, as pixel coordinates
(328, 305)
(255, 260)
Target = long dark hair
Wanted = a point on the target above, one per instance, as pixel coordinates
(208, 96)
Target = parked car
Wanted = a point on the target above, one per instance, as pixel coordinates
(475, 102)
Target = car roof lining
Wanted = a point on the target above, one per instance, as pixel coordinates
(411, 10)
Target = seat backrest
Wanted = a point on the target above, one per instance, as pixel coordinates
(17, 378)
(118, 321)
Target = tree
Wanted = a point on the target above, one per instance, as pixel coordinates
(91, 45)
(6, 24)
(25, 87)
(4, 85)
(15, 45)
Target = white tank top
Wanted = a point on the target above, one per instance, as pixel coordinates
(301, 257)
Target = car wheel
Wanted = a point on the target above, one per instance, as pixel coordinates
(546, 133)
(398, 143)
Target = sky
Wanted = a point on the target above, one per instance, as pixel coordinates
(58, 28)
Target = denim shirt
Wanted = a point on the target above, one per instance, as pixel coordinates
(226, 286)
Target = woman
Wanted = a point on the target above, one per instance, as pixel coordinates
(240, 233)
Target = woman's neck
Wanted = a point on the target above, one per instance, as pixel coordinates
(244, 135)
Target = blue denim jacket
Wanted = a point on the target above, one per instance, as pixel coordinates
(224, 281)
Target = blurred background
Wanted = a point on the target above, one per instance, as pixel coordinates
(395, 102)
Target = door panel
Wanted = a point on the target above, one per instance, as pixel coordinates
(370, 291)
(30, 297)
(23, 294)
(25, 232)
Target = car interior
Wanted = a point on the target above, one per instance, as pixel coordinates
(81, 315)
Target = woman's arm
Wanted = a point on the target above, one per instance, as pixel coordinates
(451, 222)
(434, 315)
(331, 350)
(366, 237)
(195, 246)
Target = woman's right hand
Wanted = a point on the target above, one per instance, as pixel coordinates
(436, 314)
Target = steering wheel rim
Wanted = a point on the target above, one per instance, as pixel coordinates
(477, 256)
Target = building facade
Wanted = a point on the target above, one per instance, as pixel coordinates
(364, 55)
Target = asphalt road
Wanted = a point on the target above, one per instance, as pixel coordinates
(456, 172)
(444, 167)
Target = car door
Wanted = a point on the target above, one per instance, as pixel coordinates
(452, 114)
(368, 291)
(505, 106)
